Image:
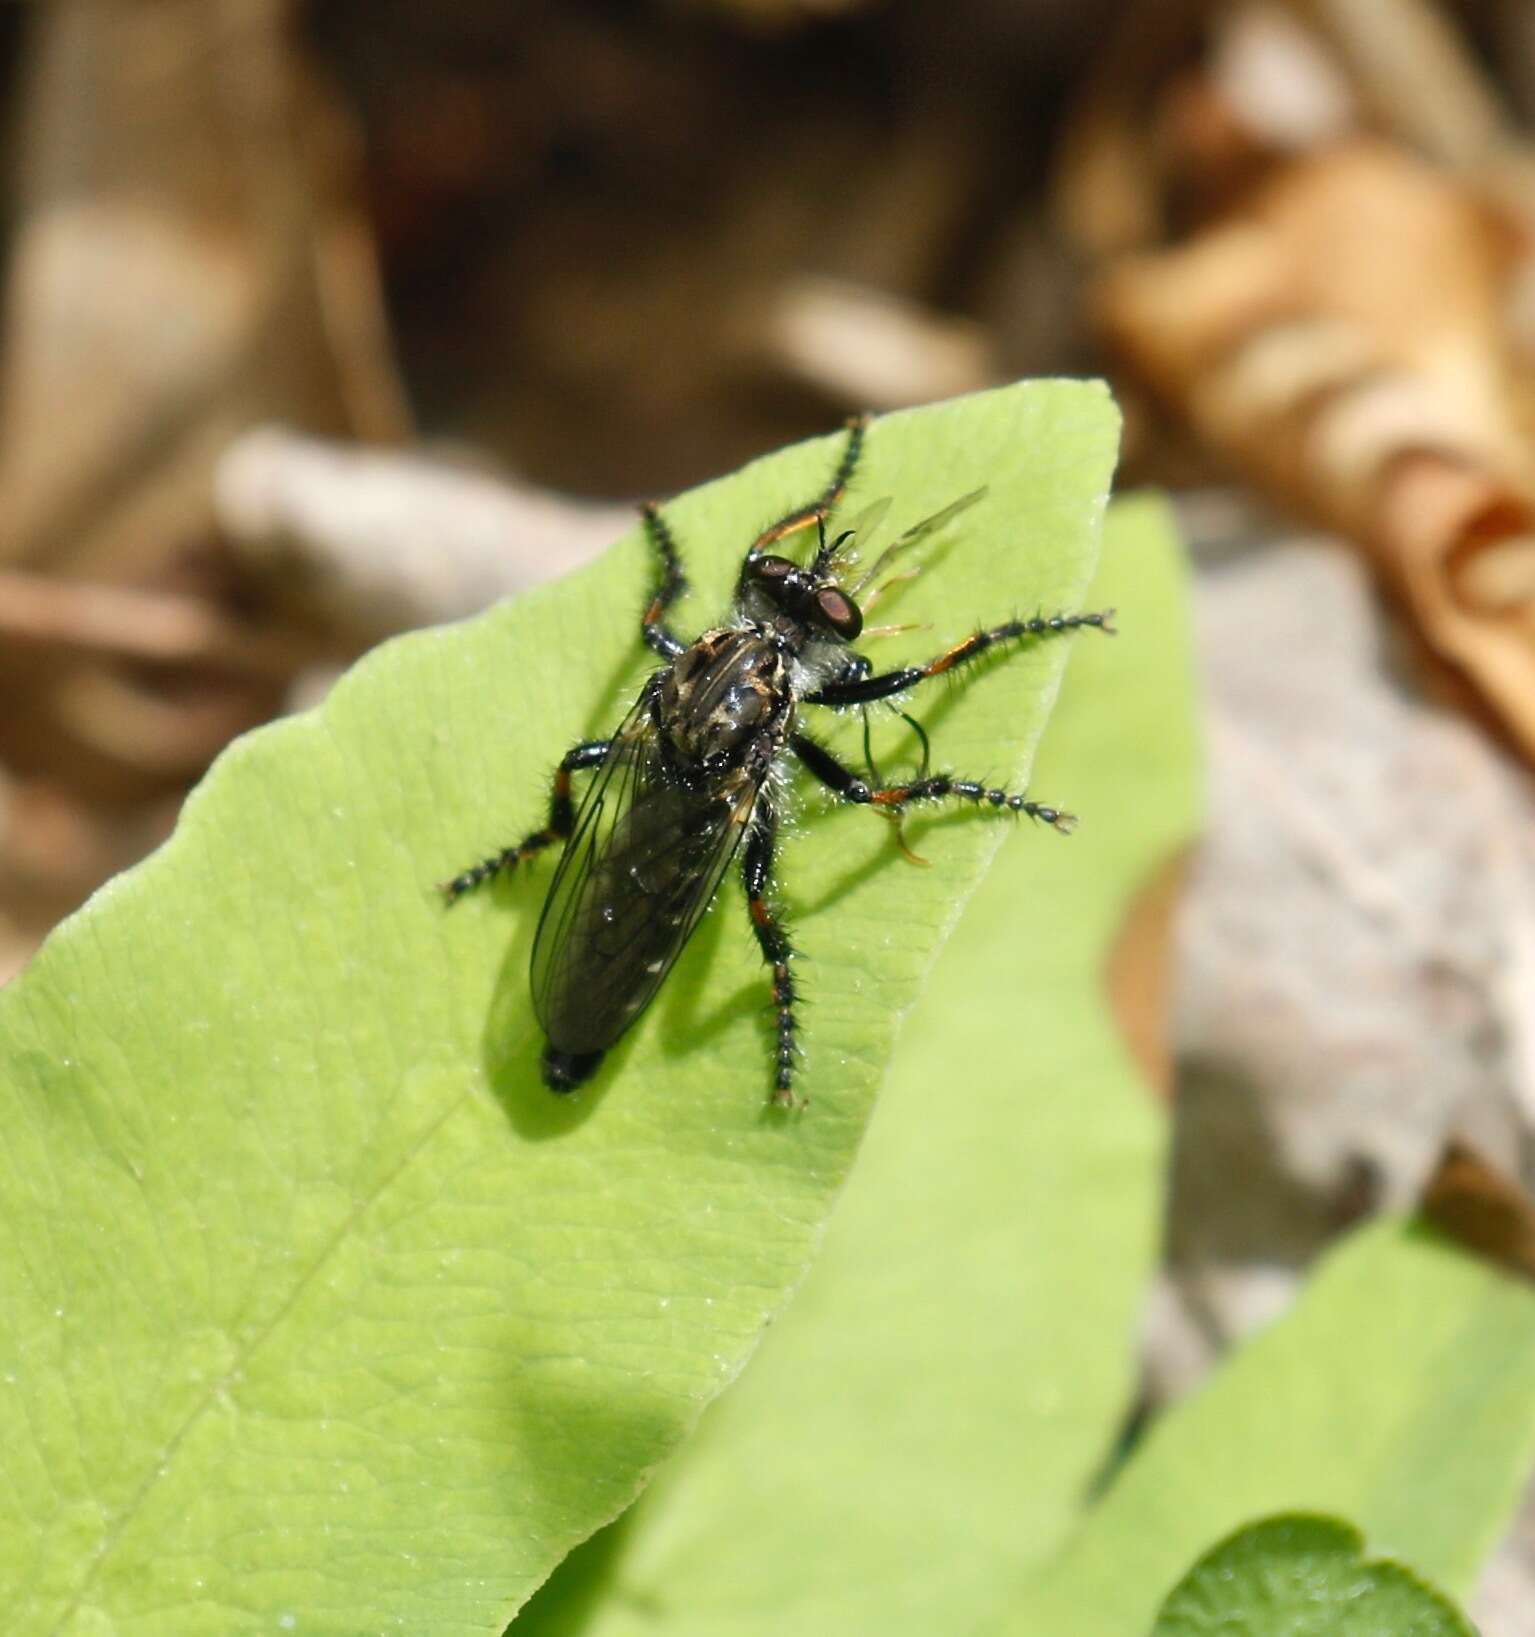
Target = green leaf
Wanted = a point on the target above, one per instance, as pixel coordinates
(940, 1394)
(319, 1312)
(1304, 1576)
(1399, 1392)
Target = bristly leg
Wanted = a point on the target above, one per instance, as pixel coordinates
(814, 512)
(562, 815)
(942, 785)
(777, 951)
(864, 690)
(672, 584)
(939, 787)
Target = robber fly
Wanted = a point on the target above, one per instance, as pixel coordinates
(687, 781)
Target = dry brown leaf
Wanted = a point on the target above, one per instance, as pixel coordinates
(1342, 343)
(1483, 1208)
(1140, 974)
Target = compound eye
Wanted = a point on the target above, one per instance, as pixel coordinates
(771, 570)
(839, 612)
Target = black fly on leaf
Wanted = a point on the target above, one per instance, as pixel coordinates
(683, 784)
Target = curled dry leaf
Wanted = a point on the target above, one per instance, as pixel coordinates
(1341, 342)
(1482, 1207)
(1139, 973)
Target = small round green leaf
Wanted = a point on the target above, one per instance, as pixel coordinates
(1304, 1576)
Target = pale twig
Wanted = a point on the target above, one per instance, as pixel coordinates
(391, 541)
(128, 623)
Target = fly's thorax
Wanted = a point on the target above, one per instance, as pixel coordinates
(727, 701)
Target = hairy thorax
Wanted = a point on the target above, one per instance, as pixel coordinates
(727, 702)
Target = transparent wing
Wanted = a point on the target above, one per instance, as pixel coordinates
(914, 536)
(641, 866)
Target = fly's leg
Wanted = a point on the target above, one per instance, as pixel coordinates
(777, 951)
(814, 513)
(864, 690)
(854, 668)
(562, 814)
(943, 785)
(672, 584)
(893, 799)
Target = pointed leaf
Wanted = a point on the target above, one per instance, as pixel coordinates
(320, 1312)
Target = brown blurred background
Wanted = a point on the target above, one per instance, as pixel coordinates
(324, 321)
(611, 249)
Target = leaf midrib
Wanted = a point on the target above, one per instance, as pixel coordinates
(245, 1351)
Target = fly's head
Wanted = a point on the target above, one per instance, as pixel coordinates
(800, 605)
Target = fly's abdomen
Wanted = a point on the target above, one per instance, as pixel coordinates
(604, 948)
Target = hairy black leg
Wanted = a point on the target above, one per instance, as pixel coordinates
(863, 690)
(813, 514)
(756, 871)
(562, 813)
(938, 787)
(672, 584)
(854, 667)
